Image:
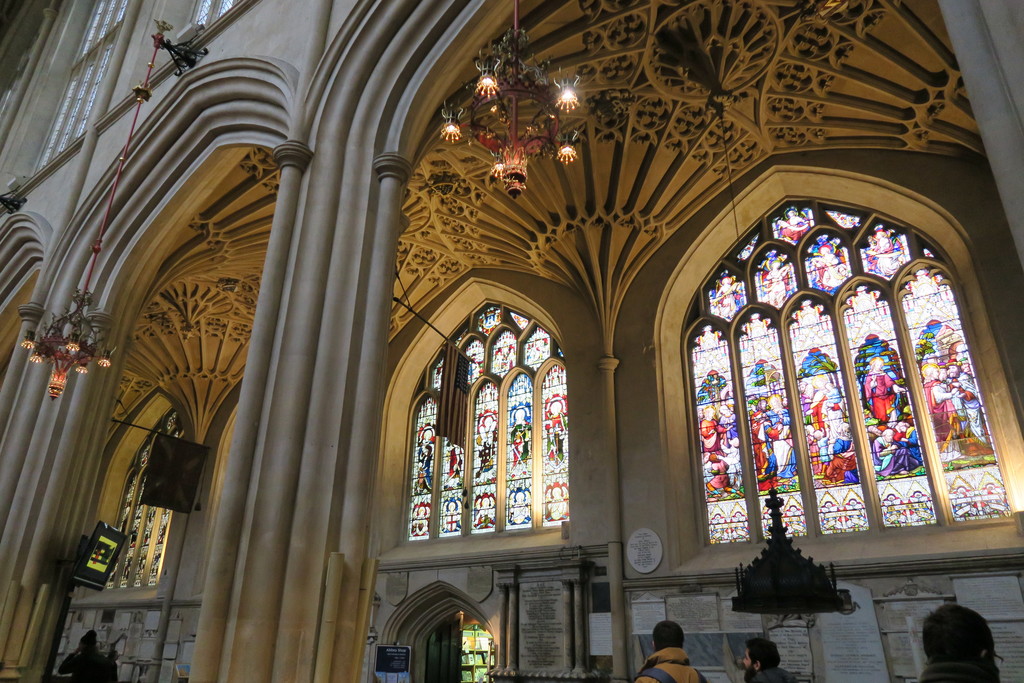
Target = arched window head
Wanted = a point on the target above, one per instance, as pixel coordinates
(829, 360)
(514, 473)
(146, 526)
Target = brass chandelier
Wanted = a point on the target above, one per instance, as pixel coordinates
(516, 110)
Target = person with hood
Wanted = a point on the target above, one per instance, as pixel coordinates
(959, 647)
(669, 663)
(87, 664)
(761, 663)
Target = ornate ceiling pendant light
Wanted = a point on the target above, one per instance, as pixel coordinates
(782, 581)
(516, 110)
(73, 339)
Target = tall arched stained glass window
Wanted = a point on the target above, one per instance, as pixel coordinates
(146, 526)
(829, 360)
(514, 473)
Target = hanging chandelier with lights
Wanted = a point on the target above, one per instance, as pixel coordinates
(516, 112)
(73, 339)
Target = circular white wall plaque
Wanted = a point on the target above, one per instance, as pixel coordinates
(643, 550)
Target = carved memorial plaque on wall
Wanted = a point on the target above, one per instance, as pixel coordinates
(541, 626)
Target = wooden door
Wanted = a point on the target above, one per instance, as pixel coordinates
(444, 653)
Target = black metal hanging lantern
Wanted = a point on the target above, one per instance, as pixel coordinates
(782, 581)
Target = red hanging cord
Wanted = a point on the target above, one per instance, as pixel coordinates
(142, 94)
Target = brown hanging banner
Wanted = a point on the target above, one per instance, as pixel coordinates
(173, 473)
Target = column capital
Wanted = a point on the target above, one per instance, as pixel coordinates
(50, 13)
(608, 363)
(293, 153)
(100, 320)
(392, 165)
(31, 312)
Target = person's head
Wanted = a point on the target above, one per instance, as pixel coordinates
(761, 654)
(957, 632)
(667, 634)
(88, 641)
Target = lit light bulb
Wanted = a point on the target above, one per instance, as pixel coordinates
(29, 341)
(35, 358)
(567, 153)
(498, 170)
(104, 360)
(487, 85)
(82, 369)
(72, 345)
(451, 131)
(567, 99)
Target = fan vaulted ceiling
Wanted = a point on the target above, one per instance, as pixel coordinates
(878, 74)
(192, 337)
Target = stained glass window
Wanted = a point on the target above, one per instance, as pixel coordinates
(770, 420)
(826, 418)
(145, 526)
(827, 264)
(775, 279)
(485, 457)
(475, 351)
(488, 319)
(747, 250)
(519, 463)
(422, 471)
(793, 224)
(556, 446)
(954, 399)
(844, 220)
(885, 253)
(719, 438)
(835, 390)
(538, 348)
(893, 438)
(496, 484)
(728, 296)
(503, 354)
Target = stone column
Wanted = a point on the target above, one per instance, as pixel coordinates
(504, 616)
(579, 614)
(14, 456)
(569, 623)
(343, 432)
(293, 157)
(988, 36)
(513, 627)
(620, 634)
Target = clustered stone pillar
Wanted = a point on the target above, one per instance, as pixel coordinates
(293, 158)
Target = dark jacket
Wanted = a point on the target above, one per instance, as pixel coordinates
(941, 670)
(675, 661)
(89, 667)
(775, 675)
